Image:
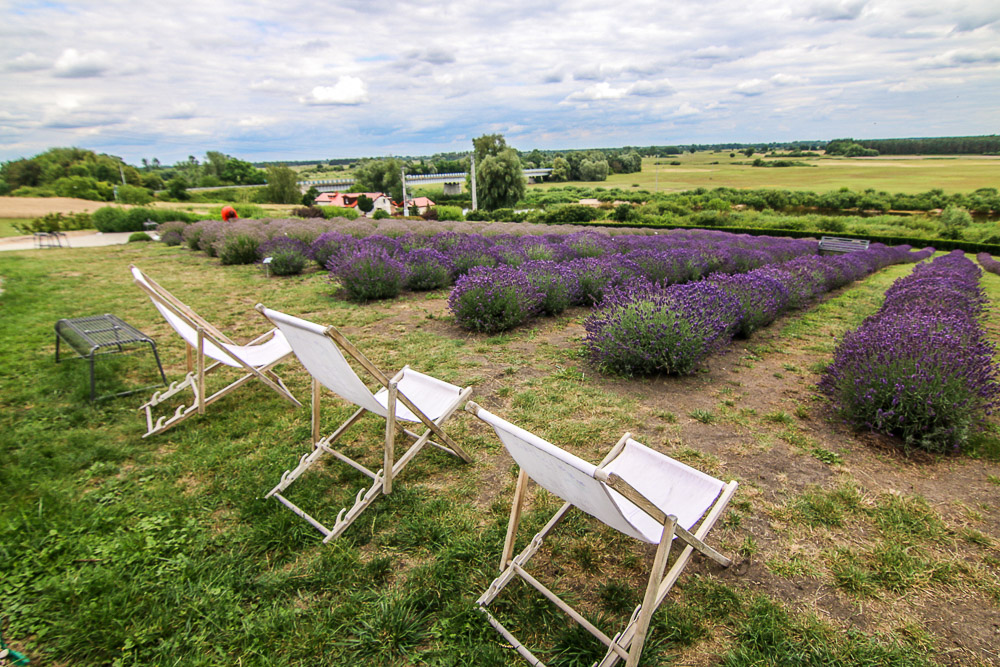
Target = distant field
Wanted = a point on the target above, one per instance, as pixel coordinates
(909, 174)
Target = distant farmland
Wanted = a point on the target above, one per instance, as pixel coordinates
(910, 174)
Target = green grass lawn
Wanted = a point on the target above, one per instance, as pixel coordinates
(909, 174)
(7, 226)
(116, 549)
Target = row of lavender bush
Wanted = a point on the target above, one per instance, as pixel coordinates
(644, 328)
(496, 298)
(986, 261)
(562, 266)
(921, 368)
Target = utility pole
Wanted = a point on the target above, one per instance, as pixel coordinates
(406, 205)
(474, 206)
(121, 172)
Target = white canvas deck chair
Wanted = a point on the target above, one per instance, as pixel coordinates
(408, 396)
(635, 490)
(255, 359)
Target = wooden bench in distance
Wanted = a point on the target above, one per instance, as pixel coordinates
(836, 244)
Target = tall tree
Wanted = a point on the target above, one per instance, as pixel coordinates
(282, 186)
(499, 180)
(487, 145)
(381, 176)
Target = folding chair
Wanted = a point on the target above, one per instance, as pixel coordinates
(635, 490)
(256, 358)
(408, 396)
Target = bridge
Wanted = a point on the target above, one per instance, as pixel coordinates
(453, 179)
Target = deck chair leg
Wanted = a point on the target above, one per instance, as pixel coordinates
(390, 439)
(515, 518)
(315, 409)
(201, 371)
(652, 588)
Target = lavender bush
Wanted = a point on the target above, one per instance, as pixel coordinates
(986, 261)
(426, 269)
(491, 301)
(328, 245)
(367, 273)
(641, 329)
(556, 282)
(920, 368)
(761, 298)
(288, 255)
(172, 233)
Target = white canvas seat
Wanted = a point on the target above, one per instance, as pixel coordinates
(255, 359)
(635, 490)
(408, 396)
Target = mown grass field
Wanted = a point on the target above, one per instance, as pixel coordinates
(910, 174)
(116, 549)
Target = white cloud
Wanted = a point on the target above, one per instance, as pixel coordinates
(752, 87)
(72, 64)
(908, 87)
(349, 90)
(28, 62)
(597, 92)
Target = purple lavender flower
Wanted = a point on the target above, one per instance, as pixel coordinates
(367, 272)
(920, 368)
(426, 269)
(642, 330)
(288, 255)
(491, 300)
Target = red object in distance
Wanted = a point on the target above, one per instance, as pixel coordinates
(229, 213)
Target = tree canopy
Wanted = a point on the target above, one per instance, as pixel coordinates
(381, 176)
(499, 181)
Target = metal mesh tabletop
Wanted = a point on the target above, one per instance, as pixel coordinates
(101, 334)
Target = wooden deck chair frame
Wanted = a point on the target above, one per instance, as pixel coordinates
(208, 341)
(627, 644)
(393, 397)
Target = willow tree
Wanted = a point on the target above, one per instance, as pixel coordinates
(499, 180)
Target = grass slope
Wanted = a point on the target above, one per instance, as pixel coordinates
(120, 550)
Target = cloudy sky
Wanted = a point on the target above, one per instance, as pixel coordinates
(298, 80)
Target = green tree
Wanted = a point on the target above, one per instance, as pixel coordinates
(594, 170)
(381, 176)
(488, 145)
(133, 194)
(239, 172)
(282, 186)
(365, 204)
(81, 187)
(749, 151)
(310, 196)
(177, 188)
(560, 170)
(499, 180)
(954, 219)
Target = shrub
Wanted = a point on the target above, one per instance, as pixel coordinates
(172, 233)
(919, 369)
(640, 329)
(557, 283)
(288, 255)
(367, 272)
(308, 212)
(133, 194)
(449, 213)
(329, 244)
(426, 269)
(339, 212)
(55, 222)
(493, 300)
(237, 248)
(139, 236)
(109, 219)
(380, 215)
(761, 298)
